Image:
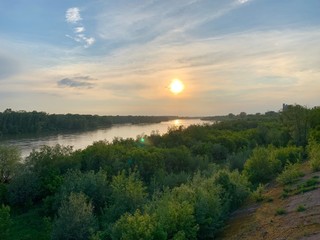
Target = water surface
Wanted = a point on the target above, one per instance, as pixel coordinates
(81, 140)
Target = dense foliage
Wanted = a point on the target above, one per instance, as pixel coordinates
(182, 185)
(22, 122)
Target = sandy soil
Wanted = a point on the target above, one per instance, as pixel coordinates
(260, 221)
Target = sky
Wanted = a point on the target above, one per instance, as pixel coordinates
(119, 57)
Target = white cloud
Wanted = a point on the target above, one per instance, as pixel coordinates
(242, 1)
(89, 41)
(73, 15)
(79, 29)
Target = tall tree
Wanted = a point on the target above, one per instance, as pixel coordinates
(75, 219)
(295, 118)
(9, 159)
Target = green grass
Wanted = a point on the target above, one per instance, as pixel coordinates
(301, 208)
(309, 185)
(280, 211)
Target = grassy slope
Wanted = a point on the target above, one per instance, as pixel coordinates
(295, 217)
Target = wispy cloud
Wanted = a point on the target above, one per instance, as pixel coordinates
(76, 82)
(73, 16)
(242, 1)
(79, 29)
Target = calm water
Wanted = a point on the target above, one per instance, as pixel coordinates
(81, 140)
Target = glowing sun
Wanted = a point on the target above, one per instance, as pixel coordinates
(176, 86)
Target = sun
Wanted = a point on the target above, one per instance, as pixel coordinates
(176, 86)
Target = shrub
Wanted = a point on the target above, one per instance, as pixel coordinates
(289, 154)
(262, 166)
(176, 218)
(281, 211)
(9, 160)
(137, 226)
(234, 188)
(127, 194)
(301, 208)
(24, 189)
(290, 174)
(257, 195)
(3, 193)
(5, 222)
(314, 155)
(237, 160)
(75, 219)
(93, 185)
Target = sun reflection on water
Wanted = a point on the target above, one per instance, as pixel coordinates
(177, 122)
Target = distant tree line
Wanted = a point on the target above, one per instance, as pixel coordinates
(244, 116)
(22, 122)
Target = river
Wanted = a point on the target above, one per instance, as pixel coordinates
(81, 140)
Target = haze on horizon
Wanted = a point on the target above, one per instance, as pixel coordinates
(119, 57)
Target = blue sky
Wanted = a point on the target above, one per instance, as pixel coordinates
(119, 57)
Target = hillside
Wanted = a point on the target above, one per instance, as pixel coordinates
(287, 212)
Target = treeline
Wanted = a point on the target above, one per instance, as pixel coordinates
(182, 185)
(22, 122)
(244, 116)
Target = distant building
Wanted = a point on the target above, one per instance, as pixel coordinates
(285, 106)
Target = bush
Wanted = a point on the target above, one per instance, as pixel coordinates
(262, 166)
(314, 155)
(257, 195)
(281, 211)
(24, 189)
(237, 160)
(289, 154)
(9, 160)
(127, 194)
(75, 219)
(93, 185)
(290, 174)
(5, 222)
(137, 226)
(176, 218)
(301, 208)
(3, 193)
(234, 188)
(47, 165)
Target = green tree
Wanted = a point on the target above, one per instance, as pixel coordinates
(9, 160)
(314, 155)
(48, 164)
(127, 194)
(93, 185)
(296, 119)
(174, 211)
(234, 188)
(209, 212)
(262, 166)
(177, 219)
(24, 189)
(75, 219)
(137, 226)
(5, 222)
